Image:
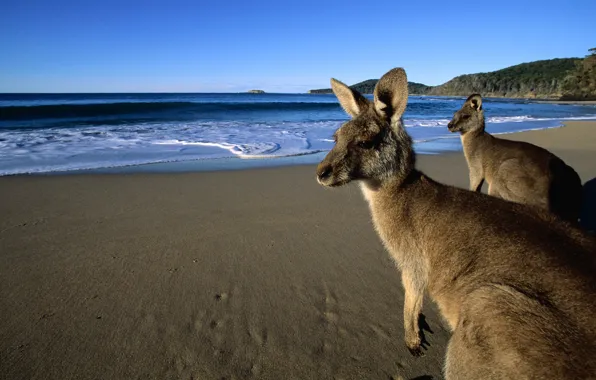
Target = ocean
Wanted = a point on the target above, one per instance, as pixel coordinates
(48, 133)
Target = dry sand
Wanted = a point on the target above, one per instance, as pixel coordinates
(226, 275)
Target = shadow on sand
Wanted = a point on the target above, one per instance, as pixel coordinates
(588, 212)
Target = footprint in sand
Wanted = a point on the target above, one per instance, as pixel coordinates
(330, 306)
(199, 321)
(380, 332)
(215, 323)
(255, 370)
(342, 332)
(225, 297)
(299, 290)
(221, 297)
(259, 337)
(331, 317)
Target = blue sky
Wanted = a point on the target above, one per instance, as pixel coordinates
(278, 46)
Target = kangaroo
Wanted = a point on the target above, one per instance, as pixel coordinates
(515, 284)
(514, 170)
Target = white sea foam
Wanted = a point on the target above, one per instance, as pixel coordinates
(61, 149)
(491, 120)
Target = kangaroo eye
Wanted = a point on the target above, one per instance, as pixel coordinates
(365, 144)
(465, 116)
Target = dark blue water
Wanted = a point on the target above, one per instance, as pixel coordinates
(56, 132)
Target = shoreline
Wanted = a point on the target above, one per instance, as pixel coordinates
(572, 102)
(433, 146)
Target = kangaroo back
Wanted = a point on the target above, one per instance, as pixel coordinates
(566, 192)
(516, 171)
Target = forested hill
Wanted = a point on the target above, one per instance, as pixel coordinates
(571, 78)
(542, 79)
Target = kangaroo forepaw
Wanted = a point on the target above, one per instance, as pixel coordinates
(417, 347)
(416, 351)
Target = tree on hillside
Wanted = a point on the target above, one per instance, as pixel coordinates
(581, 83)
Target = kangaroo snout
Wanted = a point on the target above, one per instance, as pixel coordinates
(329, 175)
(324, 171)
(451, 127)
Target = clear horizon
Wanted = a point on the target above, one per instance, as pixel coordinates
(289, 47)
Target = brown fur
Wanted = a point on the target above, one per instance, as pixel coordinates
(514, 170)
(515, 284)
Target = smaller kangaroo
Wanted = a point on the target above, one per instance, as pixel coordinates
(516, 285)
(514, 170)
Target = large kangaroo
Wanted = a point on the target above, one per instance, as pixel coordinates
(516, 285)
(514, 170)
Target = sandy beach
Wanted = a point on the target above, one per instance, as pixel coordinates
(259, 273)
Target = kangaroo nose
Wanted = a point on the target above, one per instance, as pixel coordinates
(324, 172)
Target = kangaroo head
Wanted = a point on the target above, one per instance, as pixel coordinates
(469, 117)
(373, 145)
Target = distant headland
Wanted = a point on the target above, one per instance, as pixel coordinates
(561, 78)
(256, 92)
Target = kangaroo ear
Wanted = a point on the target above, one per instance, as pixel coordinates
(475, 101)
(391, 94)
(351, 100)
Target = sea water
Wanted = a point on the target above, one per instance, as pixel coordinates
(43, 133)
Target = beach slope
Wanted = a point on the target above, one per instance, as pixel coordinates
(225, 275)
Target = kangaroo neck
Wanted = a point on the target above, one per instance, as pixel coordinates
(394, 202)
(474, 137)
(394, 187)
